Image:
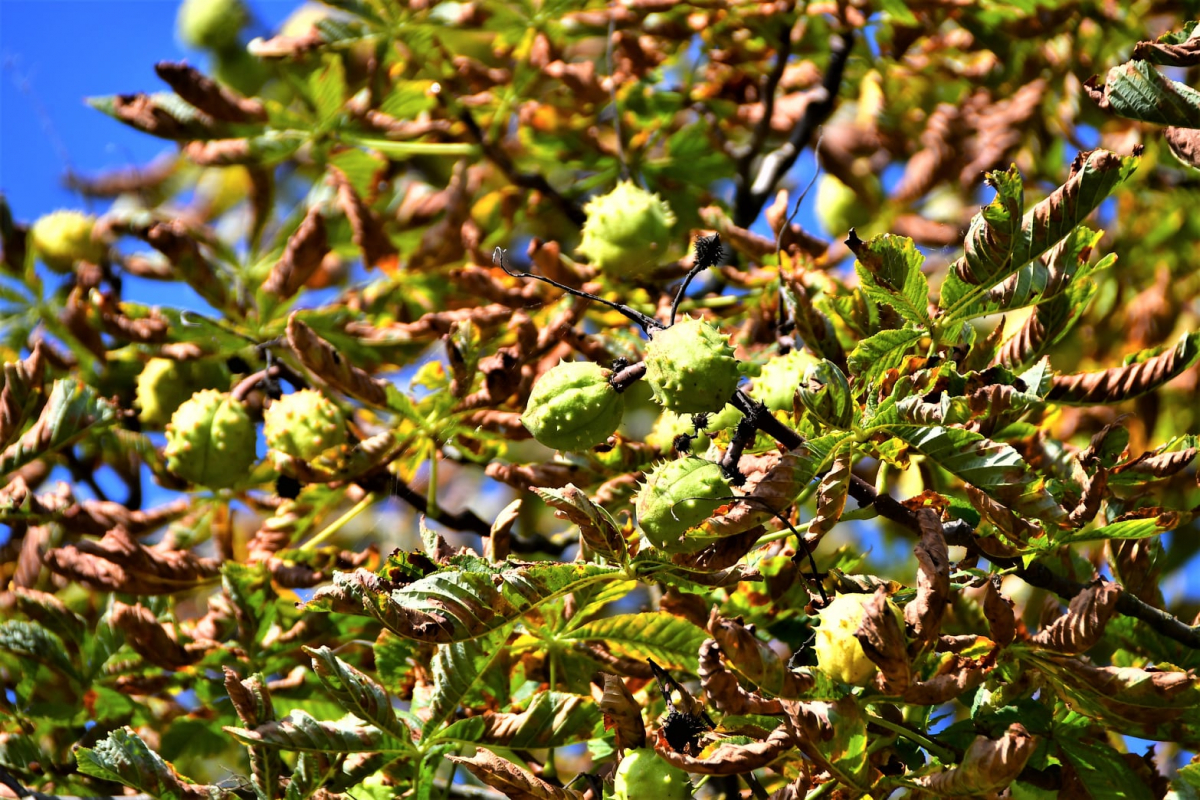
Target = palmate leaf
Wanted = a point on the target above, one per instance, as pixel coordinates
(460, 602)
(885, 350)
(72, 410)
(356, 692)
(124, 758)
(673, 642)
(553, 719)
(889, 268)
(994, 468)
(1103, 771)
(1001, 242)
(458, 669)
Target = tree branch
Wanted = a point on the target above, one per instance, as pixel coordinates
(752, 196)
(758, 138)
(526, 180)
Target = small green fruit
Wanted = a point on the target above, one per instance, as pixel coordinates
(838, 652)
(63, 237)
(164, 385)
(303, 425)
(210, 440)
(690, 367)
(573, 406)
(776, 384)
(627, 231)
(211, 24)
(643, 775)
(677, 496)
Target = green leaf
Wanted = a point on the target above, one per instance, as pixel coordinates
(457, 603)
(885, 350)
(597, 528)
(1136, 90)
(124, 758)
(673, 642)
(995, 468)
(73, 410)
(1142, 528)
(889, 268)
(553, 719)
(1001, 241)
(458, 668)
(33, 641)
(899, 11)
(1103, 772)
(399, 150)
(356, 692)
(300, 731)
(328, 87)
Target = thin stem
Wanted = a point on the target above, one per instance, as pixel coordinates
(339, 523)
(935, 749)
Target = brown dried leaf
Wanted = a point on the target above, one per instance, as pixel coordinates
(988, 765)
(1184, 144)
(117, 563)
(1094, 491)
(934, 161)
(530, 476)
(999, 127)
(733, 759)
(1136, 565)
(1004, 518)
(368, 230)
(831, 499)
(22, 387)
(998, 609)
(954, 677)
(924, 613)
(1159, 465)
(516, 783)
(883, 642)
(1123, 383)
(596, 528)
(140, 111)
(220, 152)
(774, 480)
(301, 258)
(755, 659)
(1083, 624)
(323, 360)
(1184, 54)
(722, 689)
(622, 714)
(721, 554)
(178, 244)
(219, 102)
(150, 639)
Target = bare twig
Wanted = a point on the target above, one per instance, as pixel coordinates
(752, 196)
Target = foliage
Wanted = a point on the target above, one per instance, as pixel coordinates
(383, 207)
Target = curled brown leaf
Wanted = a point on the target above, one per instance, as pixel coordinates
(988, 765)
(302, 256)
(367, 228)
(1124, 383)
(515, 782)
(22, 386)
(733, 759)
(882, 640)
(622, 714)
(214, 99)
(117, 563)
(1082, 626)
(924, 613)
(722, 689)
(149, 638)
(323, 360)
(998, 610)
(755, 659)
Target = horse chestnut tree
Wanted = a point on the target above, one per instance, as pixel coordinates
(588, 467)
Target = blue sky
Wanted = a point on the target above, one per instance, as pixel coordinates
(55, 53)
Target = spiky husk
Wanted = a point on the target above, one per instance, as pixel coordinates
(303, 425)
(573, 406)
(690, 368)
(775, 386)
(678, 496)
(211, 440)
(62, 238)
(643, 775)
(627, 231)
(164, 385)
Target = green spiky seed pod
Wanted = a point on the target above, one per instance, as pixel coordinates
(164, 385)
(690, 367)
(627, 231)
(210, 440)
(63, 237)
(644, 775)
(573, 406)
(303, 425)
(825, 392)
(677, 496)
(838, 651)
(776, 385)
(211, 24)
